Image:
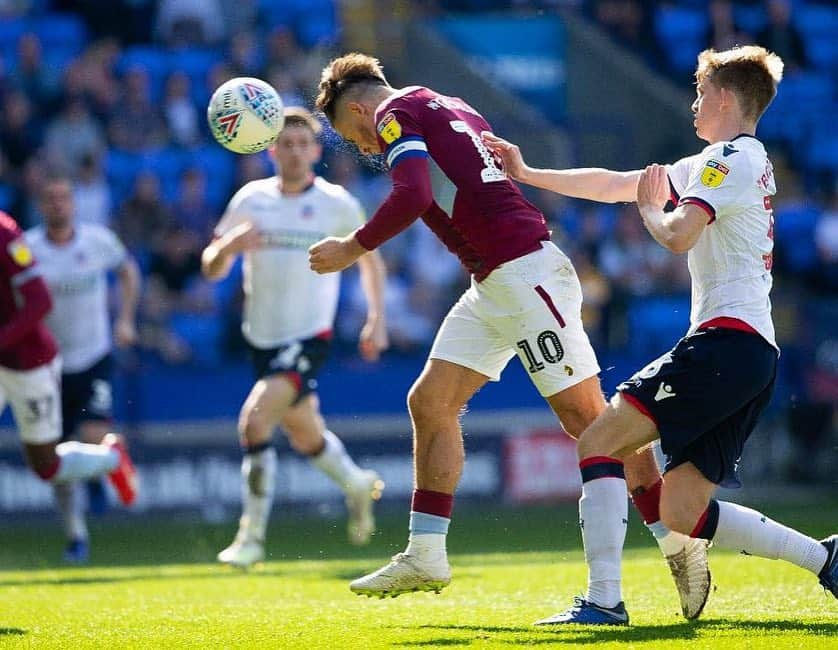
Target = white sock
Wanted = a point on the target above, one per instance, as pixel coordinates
(669, 541)
(752, 533)
(258, 487)
(335, 462)
(69, 498)
(80, 460)
(603, 515)
(428, 534)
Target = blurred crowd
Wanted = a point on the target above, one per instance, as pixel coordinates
(113, 94)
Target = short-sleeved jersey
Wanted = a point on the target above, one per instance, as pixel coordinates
(284, 299)
(76, 274)
(730, 264)
(17, 267)
(491, 222)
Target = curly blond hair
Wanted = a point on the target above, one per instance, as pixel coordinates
(343, 73)
(751, 72)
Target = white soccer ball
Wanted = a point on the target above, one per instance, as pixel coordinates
(245, 115)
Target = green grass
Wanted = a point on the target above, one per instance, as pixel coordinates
(153, 585)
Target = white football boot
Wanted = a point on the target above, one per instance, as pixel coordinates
(404, 574)
(359, 501)
(243, 552)
(691, 572)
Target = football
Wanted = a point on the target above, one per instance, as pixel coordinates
(245, 115)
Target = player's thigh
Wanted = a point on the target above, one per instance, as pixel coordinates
(685, 495)
(466, 353)
(618, 431)
(34, 396)
(263, 408)
(442, 390)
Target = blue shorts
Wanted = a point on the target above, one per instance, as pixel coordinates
(705, 396)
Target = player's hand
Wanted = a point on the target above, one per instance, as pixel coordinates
(510, 155)
(124, 333)
(334, 254)
(243, 237)
(653, 188)
(374, 339)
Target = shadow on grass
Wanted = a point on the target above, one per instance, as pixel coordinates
(11, 631)
(588, 634)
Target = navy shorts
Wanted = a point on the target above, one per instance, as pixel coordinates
(301, 361)
(87, 396)
(705, 396)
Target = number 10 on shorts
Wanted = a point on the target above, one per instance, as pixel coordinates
(550, 349)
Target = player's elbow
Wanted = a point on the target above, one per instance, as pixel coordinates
(678, 244)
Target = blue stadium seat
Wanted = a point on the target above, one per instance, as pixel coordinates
(195, 63)
(801, 102)
(151, 59)
(10, 32)
(656, 323)
(823, 148)
(819, 25)
(751, 18)
(794, 228)
(64, 31)
(317, 23)
(168, 164)
(203, 333)
(682, 32)
(121, 168)
(219, 165)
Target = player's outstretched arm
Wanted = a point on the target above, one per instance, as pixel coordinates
(678, 230)
(410, 198)
(125, 327)
(373, 339)
(593, 184)
(218, 257)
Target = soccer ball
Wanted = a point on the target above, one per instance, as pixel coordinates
(245, 115)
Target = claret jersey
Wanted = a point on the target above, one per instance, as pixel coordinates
(491, 222)
(730, 264)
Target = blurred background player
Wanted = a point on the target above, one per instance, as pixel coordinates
(288, 317)
(702, 399)
(524, 298)
(29, 378)
(75, 256)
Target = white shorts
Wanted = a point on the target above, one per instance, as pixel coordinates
(532, 307)
(35, 398)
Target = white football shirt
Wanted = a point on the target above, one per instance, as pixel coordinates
(76, 274)
(284, 299)
(730, 265)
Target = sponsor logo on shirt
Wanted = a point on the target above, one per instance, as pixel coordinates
(714, 173)
(20, 252)
(389, 129)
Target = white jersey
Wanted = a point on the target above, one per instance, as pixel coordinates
(284, 299)
(76, 274)
(730, 264)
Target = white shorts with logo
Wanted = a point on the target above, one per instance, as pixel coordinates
(530, 306)
(35, 398)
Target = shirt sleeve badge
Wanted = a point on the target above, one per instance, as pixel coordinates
(20, 253)
(389, 128)
(714, 173)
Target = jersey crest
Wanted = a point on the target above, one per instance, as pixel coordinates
(389, 128)
(714, 173)
(20, 253)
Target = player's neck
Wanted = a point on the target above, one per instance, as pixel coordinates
(290, 186)
(61, 234)
(731, 129)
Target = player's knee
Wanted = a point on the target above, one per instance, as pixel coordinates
(253, 428)
(420, 403)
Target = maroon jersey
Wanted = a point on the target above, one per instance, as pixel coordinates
(25, 342)
(491, 221)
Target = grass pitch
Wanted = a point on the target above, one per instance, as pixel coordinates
(153, 584)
